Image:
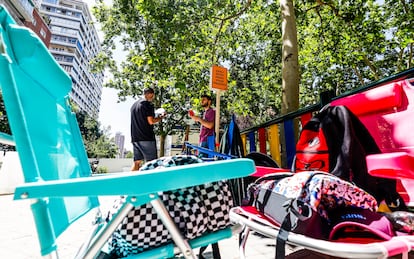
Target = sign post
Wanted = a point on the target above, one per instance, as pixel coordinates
(218, 82)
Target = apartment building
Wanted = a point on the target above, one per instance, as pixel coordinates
(120, 143)
(74, 42)
(25, 13)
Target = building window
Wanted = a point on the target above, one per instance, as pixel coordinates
(51, 1)
(43, 33)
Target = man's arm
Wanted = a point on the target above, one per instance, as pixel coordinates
(151, 120)
(206, 123)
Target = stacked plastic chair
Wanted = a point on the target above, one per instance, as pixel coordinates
(386, 109)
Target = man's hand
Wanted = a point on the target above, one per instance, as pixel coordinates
(193, 116)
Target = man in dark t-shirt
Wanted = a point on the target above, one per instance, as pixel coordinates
(142, 129)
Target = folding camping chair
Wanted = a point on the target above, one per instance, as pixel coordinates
(387, 111)
(56, 171)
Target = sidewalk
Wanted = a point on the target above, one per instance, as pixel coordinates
(18, 235)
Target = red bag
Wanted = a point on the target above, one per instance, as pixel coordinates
(336, 141)
(311, 149)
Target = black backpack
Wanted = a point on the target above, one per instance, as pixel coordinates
(336, 141)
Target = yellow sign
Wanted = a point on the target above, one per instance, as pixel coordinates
(218, 77)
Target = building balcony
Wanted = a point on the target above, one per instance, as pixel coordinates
(24, 7)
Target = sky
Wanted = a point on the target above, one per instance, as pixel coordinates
(114, 114)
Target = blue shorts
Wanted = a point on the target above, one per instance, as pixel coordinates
(145, 150)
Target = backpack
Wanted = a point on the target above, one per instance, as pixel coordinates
(336, 141)
(195, 210)
(232, 144)
(304, 202)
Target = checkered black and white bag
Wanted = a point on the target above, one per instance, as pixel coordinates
(195, 210)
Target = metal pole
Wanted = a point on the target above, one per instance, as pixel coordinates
(217, 119)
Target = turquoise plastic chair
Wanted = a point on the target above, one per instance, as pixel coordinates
(56, 171)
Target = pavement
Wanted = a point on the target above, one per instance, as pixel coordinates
(18, 238)
(18, 235)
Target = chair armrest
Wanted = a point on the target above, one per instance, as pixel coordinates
(138, 183)
(264, 170)
(398, 165)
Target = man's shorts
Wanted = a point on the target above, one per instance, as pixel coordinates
(145, 150)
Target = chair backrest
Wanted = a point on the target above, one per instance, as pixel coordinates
(387, 112)
(45, 131)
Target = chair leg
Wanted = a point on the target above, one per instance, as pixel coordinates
(165, 217)
(215, 249)
(201, 251)
(105, 233)
(242, 242)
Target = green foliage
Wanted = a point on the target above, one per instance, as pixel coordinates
(4, 124)
(254, 54)
(129, 155)
(346, 44)
(172, 45)
(97, 142)
(169, 44)
(101, 170)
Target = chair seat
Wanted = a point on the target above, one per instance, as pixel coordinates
(397, 165)
(254, 220)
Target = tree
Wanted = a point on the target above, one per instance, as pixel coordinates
(290, 67)
(97, 142)
(252, 47)
(4, 124)
(346, 44)
(170, 46)
(290, 63)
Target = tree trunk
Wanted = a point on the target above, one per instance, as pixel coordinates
(290, 66)
(162, 145)
(186, 136)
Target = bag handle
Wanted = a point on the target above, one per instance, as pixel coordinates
(286, 225)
